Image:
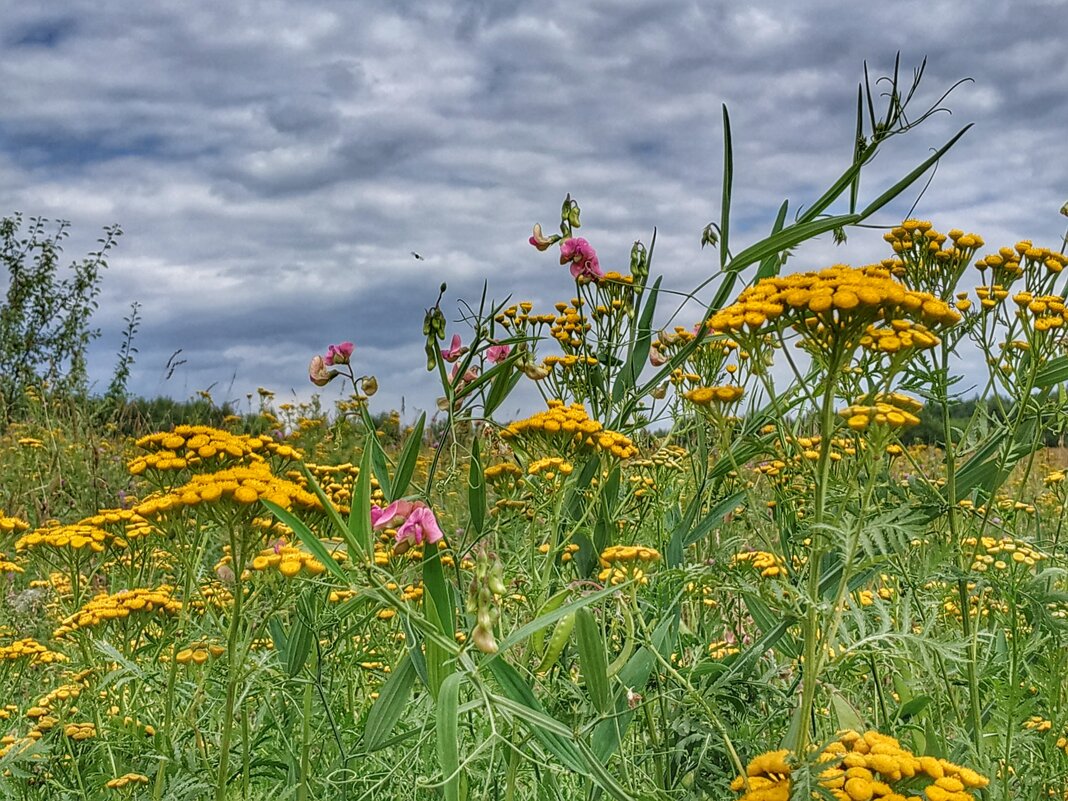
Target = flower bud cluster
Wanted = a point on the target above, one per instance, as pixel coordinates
(483, 596)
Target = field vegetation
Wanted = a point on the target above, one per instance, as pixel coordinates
(761, 546)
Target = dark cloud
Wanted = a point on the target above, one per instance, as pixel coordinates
(273, 165)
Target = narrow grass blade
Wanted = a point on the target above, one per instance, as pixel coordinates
(388, 708)
(409, 455)
(448, 735)
(592, 659)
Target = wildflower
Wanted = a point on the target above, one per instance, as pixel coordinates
(339, 354)
(420, 526)
(392, 515)
(542, 242)
(498, 353)
(582, 257)
(318, 374)
(455, 350)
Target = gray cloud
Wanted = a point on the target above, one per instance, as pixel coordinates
(273, 165)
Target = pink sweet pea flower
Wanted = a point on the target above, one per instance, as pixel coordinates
(392, 515)
(469, 375)
(498, 353)
(420, 527)
(455, 350)
(318, 374)
(582, 257)
(657, 357)
(339, 354)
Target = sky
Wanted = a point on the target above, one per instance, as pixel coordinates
(274, 164)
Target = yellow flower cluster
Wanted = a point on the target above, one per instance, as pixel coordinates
(1046, 310)
(80, 731)
(1009, 264)
(75, 536)
(1002, 553)
(891, 409)
(334, 480)
(550, 466)
(125, 780)
(505, 471)
(188, 446)
(11, 525)
(567, 553)
(119, 606)
(570, 326)
(243, 485)
(769, 565)
(864, 767)
(1038, 723)
(900, 334)
(7, 566)
(721, 649)
(622, 563)
(920, 237)
(289, 560)
(572, 424)
(28, 647)
(199, 653)
(838, 297)
(623, 554)
(706, 396)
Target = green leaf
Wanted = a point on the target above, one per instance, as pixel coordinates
(552, 616)
(390, 705)
(905, 182)
(409, 456)
(592, 659)
(359, 525)
(476, 490)
(308, 537)
(301, 635)
(634, 675)
(770, 265)
(767, 620)
(503, 384)
(599, 773)
(728, 182)
(448, 735)
(379, 462)
(547, 730)
(1053, 372)
(848, 717)
(639, 353)
(439, 610)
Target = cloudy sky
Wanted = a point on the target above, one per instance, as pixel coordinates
(273, 164)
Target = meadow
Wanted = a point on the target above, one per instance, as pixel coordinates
(681, 577)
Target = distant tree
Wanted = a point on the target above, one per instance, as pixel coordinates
(44, 317)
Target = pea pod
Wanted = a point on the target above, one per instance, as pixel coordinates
(537, 639)
(557, 643)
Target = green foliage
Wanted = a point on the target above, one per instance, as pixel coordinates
(44, 317)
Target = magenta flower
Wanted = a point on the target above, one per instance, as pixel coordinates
(498, 353)
(318, 373)
(392, 515)
(582, 257)
(420, 527)
(339, 354)
(455, 350)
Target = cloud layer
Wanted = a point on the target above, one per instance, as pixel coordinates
(274, 164)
